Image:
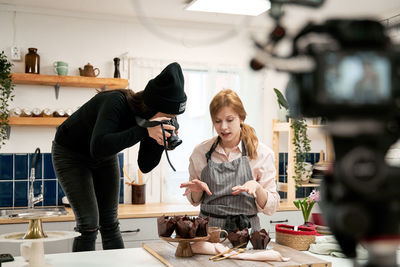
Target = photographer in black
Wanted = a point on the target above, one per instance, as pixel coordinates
(85, 148)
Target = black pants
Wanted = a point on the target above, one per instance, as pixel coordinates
(92, 188)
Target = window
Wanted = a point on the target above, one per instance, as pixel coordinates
(195, 124)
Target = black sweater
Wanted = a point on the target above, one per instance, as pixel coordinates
(104, 126)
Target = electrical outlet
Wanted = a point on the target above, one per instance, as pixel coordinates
(15, 53)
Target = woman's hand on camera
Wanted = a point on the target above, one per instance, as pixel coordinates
(157, 133)
(250, 187)
(195, 186)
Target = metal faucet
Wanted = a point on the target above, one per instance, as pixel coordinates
(32, 200)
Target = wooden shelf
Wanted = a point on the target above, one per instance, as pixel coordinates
(70, 81)
(57, 81)
(308, 185)
(283, 187)
(35, 121)
(290, 186)
(285, 126)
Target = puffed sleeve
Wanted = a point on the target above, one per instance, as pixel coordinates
(264, 173)
(197, 162)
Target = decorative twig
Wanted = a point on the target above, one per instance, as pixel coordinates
(130, 181)
(227, 251)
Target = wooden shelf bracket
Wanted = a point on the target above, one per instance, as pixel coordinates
(57, 89)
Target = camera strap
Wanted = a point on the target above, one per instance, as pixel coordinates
(147, 124)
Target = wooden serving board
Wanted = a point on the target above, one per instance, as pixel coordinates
(165, 252)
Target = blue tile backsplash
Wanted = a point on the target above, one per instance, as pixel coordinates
(14, 174)
(301, 192)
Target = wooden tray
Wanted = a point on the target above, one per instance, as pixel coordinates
(165, 253)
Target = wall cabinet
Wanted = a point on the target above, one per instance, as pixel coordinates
(286, 217)
(135, 231)
(57, 81)
(290, 186)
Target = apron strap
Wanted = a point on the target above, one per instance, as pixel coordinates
(208, 154)
(244, 151)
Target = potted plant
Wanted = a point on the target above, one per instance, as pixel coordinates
(302, 169)
(301, 142)
(307, 204)
(6, 95)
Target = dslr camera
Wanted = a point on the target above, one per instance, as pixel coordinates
(173, 140)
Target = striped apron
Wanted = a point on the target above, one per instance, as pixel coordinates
(223, 207)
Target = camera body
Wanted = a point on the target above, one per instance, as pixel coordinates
(356, 74)
(364, 82)
(173, 140)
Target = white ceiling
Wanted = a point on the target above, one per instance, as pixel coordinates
(174, 10)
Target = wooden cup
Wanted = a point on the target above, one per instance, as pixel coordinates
(138, 193)
(215, 234)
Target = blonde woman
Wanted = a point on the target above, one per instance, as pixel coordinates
(232, 176)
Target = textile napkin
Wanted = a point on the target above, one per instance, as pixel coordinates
(327, 245)
(209, 248)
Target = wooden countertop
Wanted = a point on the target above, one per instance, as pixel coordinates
(129, 211)
(150, 210)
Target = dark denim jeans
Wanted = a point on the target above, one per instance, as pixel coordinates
(92, 188)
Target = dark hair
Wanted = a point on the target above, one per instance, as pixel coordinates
(136, 103)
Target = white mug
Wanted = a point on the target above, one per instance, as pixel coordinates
(33, 252)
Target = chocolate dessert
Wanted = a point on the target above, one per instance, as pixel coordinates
(239, 237)
(166, 226)
(259, 239)
(186, 227)
(202, 228)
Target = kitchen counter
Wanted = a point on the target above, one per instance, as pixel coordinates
(131, 257)
(150, 210)
(129, 211)
(101, 258)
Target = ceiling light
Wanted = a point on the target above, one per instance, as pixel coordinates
(237, 7)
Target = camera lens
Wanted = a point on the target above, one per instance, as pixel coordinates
(173, 141)
(362, 170)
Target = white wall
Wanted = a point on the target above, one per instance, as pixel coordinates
(79, 38)
(82, 38)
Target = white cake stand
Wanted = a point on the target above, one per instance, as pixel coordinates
(32, 250)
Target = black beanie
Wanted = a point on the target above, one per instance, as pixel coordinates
(165, 92)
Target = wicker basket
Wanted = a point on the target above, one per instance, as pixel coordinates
(300, 239)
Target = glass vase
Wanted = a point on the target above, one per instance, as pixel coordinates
(32, 61)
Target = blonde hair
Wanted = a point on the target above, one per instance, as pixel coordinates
(229, 98)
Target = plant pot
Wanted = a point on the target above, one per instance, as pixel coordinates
(138, 193)
(283, 115)
(308, 169)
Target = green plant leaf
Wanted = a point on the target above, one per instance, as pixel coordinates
(6, 93)
(281, 99)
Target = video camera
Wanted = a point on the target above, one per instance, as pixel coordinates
(348, 71)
